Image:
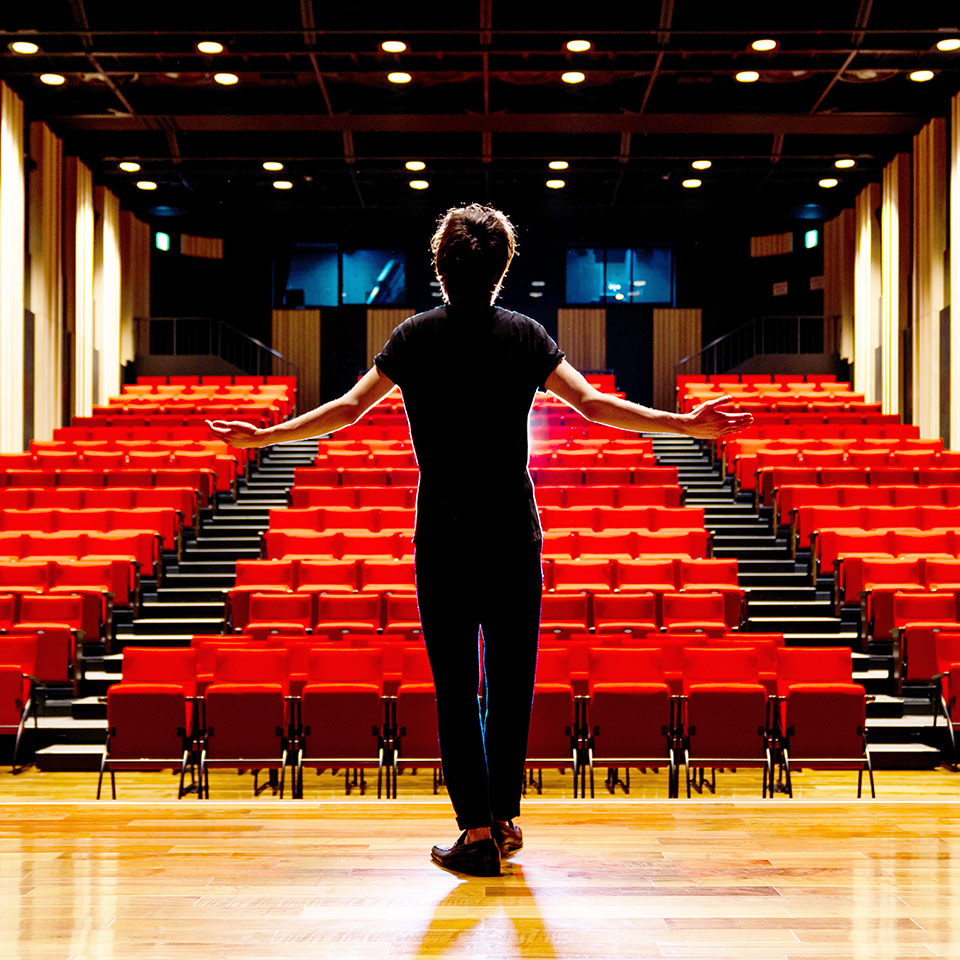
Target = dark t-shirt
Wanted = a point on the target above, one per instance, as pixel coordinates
(468, 379)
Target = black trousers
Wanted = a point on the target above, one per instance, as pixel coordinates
(459, 593)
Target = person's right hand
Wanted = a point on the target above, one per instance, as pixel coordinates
(238, 433)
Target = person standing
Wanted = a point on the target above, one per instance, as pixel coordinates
(468, 372)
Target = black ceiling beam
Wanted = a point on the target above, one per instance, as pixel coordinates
(827, 124)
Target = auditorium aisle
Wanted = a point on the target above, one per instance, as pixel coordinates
(782, 598)
(189, 600)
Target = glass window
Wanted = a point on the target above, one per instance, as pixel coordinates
(374, 277)
(313, 270)
(619, 275)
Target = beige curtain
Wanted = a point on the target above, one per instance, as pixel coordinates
(12, 210)
(45, 211)
(676, 334)
(106, 295)
(296, 335)
(380, 324)
(895, 310)
(955, 273)
(134, 280)
(582, 335)
(78, 280)
(929, 248)
(839, 256)
(866, 299)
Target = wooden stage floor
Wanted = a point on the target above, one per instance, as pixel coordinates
(352, 879)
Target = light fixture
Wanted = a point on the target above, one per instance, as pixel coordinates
(538, 283)
(398, 76)
(161, 240)
(210, 46)
(558, 165)
(573, 76)
(691, 184)
(272, 165)
(226, 79)
(146, 185)
(535, 294)
(24, 47)
(393, 46)
(764, 45)
(129, 166)
(282, 185)
(579, 46)
(920, 76)
(747, 76)
(828, 182)
(702, 164)
(419, 184)
(556, 184)
(52, 79)
(415, 165)
(844, 163)
(618, 296)
(951, 43)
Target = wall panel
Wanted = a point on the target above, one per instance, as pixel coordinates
(839, 257)
(134, 280)
(867, 286)
(955, 273)
(380, 324)
(895, 310)
(676, 334)
(106, 295)
(296, 335)
(78, 281)
(582, 335)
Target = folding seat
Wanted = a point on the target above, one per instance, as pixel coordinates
(606, 476)
(24, 576)
(149, 459)
(162, 665)
(685, 543)
(829, 545)
(280, 610)
(363, 476)
(559, 476)
(9, 603)
(315, 477)
(903, 495)
(326, 576)
(415, 721)
(342, 715)
(856, 495)
(109, 499)
(358, 545)
(716, 576)
(190, 379)
(31, 478)
(245, 714)
(857, 457)
(57, 459)
(563, 613)
(938, 574)
(11, 546)
(128, 477)
(726, 714)
(881, 578)
(404, 497)
(552, 738)
(923, 608)
(694, 612)
(767, 648)
(103, 584)
(402, 615)
(549, 496)
(654, 475)
(257, 576)
(342, 614)
(348, 458)
(294, 545)
(379, 576)
(569, 518)
(616, 545)
(590, 575)
(665, 495)
(19, 499)
(923, 543)
(631, 613)
(306, 497)
(266, 633)
(631, 716)
(104, 459)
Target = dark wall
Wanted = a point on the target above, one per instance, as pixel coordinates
(343, 349)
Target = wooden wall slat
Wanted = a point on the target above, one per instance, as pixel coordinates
(380, 324)
(676, 334)
(296, 335)
(582, 335)
(771, 245)
(210, 248)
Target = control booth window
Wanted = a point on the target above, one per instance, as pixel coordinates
(374, 276)
(323, 275)
(619, 275)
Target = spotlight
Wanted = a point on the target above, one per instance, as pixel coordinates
(393, 46)
(399, 76)
(828, 183)
(691, 184)
(747, 76)
(24, 47)
(951, 43)
(272, 165)
(419, 184)
(702, 164)
(579, 46)
(282, 185)
(226, 79)
(764, 45)
(146, 185)
(210, 46)
(556, 184)
(844, 163)
(573, 76)
(415, 165)
(129, 166)
(52, 79)
(920, 76)
(558, 165)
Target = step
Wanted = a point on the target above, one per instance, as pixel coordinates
(159, 638)
(902, 756)
(751, 552)
(170, 626)
(802, 638)
(158, 610)
(70, 756)
(210, 567)
(812, 624)
(884, 706)
(792, 609)
(222, 554)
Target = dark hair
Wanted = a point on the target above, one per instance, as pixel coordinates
(472, 249)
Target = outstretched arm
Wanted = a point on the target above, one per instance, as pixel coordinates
(704, 422)
(372, 387)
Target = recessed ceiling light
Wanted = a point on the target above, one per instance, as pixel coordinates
(282, 185)
(573, 76)
(146, 185)
(52, 79)
(415, 165)
(844, 163)
(24, 47)
(764, 45)
(210, 46)
(226, 79)
(398, 76)
(702, 164)
(951, 43)
(556, 184)
(692, 183)
(921, 76)
(828, 182)
(419, 184)
(129, 166)
(558, 165)
(393, 46)
(538, 283)
(579, 46)
(747, 76)
(272, 165)
(535, 294)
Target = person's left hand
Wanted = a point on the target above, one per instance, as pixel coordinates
(706, 422)
(237, 433)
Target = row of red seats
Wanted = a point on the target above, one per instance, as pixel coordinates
(632, 544)
(167, 522)
(562, 613)
(772, 479)
(792, 497)
(225, 379)
(889, 606)
(810, 519)
(114, 577)
(684, 378)
(141, 548)
(42, 450)
(857, 574)
(183, 500)
(38, 485)
(54, 647)
(123, 419)
(827, 546)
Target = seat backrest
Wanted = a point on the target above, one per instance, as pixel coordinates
(719, 665)
(416, 665)
(266, 572)
(553, 665)
(912, 607)
(286, 607)
(161, 665)
(813, 665)
(350, 665)
(252, 666)
(626, 665)
(692, 607)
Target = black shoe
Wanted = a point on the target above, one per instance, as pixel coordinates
(509, 838)
(479, 859)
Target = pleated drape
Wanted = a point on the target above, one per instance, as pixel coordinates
(134, 280)
(46, 278)
(380, 324)
(867, 286)
(929, 248)
(676, 334)
(839, 257)
(895, 312)
(78, 280)
(296, 335)
(12, 210)
(582, 335)
(106, 295)
(955, 273)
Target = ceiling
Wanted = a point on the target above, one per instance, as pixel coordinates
(485, 108)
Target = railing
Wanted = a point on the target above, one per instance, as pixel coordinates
(191, 336)
(760, 335)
